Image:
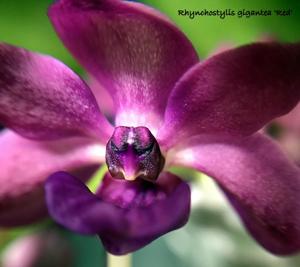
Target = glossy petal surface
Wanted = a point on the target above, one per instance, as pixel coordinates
(26, 164)
(41, 98)
(134, 51)
(261, 184)
(126, 215)
(234, 93)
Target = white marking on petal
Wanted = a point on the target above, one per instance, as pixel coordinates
(138, 118)
(96, 152)
(187, 155)
(130, 139)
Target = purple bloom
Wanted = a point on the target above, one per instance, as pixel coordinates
(170, 110)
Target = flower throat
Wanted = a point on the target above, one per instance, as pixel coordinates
(133, 152)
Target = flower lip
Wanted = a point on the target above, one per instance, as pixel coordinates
(125, 215)
(137, 193)
(133, 152)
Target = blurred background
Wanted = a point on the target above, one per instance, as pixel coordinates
(214, 236)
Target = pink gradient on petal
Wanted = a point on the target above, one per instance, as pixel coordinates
(136, 53)
(103, 98)
(52, 101)
(291, 121)
(290, 142)
(25, 165)
(234, 93)
(287, 133)
(260, 182)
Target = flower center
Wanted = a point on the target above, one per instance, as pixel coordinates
(133, 152)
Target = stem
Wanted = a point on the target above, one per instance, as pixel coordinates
(119, 261)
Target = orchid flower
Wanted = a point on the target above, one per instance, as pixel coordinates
(170, 110)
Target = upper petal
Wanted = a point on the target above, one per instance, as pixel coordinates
(126, 215)
(103, 98)
(134, 51)
(41, 98)
(234, 93)
(261, 184)
(26, 164)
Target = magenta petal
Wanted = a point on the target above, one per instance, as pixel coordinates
(103, 98)
(234, 93)
(134, 51)
(41, 98)
(26, 164)
(126, 215)
(261, 184)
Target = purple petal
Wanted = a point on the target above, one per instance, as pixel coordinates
(41, 98)
(234, 93)
(26, 164)
(261, 184)
(126, 215)
(103, 98)
(134, 51)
